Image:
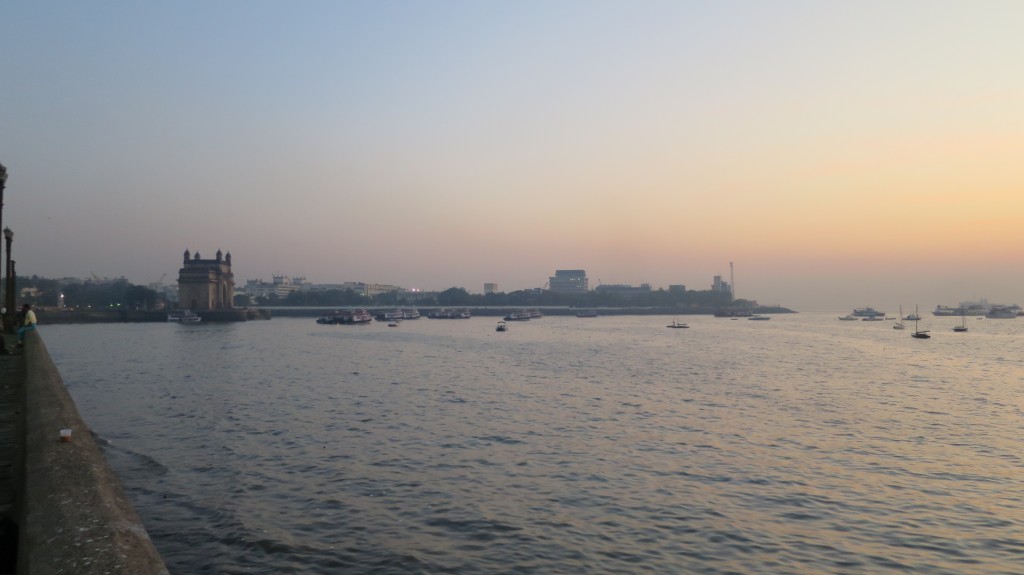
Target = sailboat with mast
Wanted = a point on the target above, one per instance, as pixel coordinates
(918, 333)
(963, 320)
(899, 324)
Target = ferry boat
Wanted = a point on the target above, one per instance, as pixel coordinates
(518, 316)
(184, 316)
(867, 312)
(349, 317)
(391, 315)
(410, 314)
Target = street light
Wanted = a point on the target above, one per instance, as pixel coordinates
(3, 184)
(9, 303)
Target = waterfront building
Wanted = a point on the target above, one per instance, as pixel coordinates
(569, 281)
(361, 288)
(623, 290)
(282, 287)
(720, 286)
(206, 284)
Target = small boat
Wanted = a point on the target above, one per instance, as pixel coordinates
(848, 317)
(394, 323)
(918, 333)
(872, 318)
(759, 318)
(677, 325)
(963, 321)
(588, 313)
(899, 324)
(502, 326)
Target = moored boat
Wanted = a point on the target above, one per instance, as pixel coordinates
(899, 324)
(963, 324)
(918, 333)
(391, 315)
(183, 316)
(347, 317)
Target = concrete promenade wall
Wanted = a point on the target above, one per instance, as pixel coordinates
(74, 515)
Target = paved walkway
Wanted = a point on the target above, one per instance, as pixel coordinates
(12, 380)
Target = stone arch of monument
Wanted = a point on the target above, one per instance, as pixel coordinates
(206, 284)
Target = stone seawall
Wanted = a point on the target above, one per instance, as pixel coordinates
(74, 515)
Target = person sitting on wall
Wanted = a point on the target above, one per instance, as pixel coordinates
(3, 344)
(28, 323)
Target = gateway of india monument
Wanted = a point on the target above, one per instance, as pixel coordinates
(206, 284)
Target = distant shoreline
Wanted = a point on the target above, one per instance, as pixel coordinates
(248, 314)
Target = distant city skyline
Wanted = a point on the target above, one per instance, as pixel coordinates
(842, 154)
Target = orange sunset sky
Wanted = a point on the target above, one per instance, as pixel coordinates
(842, 154)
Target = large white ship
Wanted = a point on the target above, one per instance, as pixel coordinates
(971, 308)
(867, 312)
(1003, 312)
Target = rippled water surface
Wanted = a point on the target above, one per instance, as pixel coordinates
(607, 445)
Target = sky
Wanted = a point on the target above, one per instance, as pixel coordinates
(841, 154)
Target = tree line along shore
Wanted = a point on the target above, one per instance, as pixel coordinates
(120, 300)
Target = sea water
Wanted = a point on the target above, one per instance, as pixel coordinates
(800, 445)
